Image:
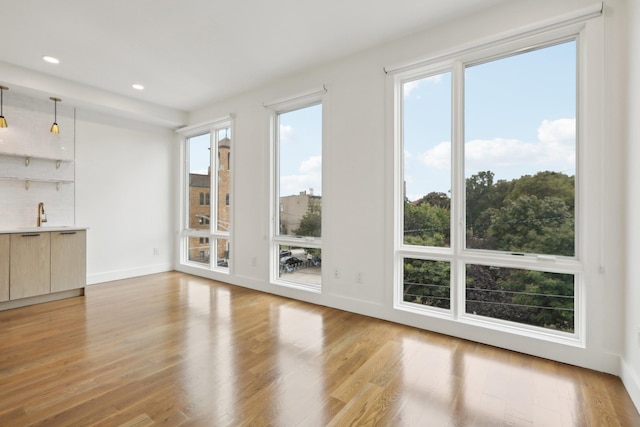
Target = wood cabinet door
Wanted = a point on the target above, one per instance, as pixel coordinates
(68, 260)
(30, 265)
(5, 248)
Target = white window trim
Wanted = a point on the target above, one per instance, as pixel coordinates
(588, 210)
(185, 133)
(284, 105)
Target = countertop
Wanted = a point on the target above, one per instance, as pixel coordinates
(43, 229)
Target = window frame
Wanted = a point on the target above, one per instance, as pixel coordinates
(212, 234)
(277, 108)
(458, 255)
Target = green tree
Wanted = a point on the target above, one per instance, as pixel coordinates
(547, 298)
(427, 282)
(480, 196)
(545, 184)
(533, 225)
(311, 222)
(436, 198)
(426, 225)
(524, 296)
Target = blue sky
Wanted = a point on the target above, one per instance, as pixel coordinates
(519, 119)
(199, 154)
(301, 151)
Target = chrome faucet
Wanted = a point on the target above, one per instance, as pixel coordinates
(42, 217)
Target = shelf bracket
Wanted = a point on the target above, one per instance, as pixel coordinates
(27, 184)
(27, 160)
(57, 186)
(58, 162)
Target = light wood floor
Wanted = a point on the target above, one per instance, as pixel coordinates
(175, 349)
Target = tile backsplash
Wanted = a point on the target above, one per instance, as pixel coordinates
(31, 156)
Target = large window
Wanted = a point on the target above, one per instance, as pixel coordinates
(207, 218)
(297, 195)
(487, 218)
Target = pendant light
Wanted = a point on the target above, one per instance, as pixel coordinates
(3, 121)
(54, 127)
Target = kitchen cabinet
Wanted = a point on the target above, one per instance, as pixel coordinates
(5, 248)
(30, 265)
(68, 260)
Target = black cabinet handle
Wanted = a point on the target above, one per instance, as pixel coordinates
(31, 235)
(68, 232)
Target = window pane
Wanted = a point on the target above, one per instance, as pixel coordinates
(198, 250)
(427, 160)
(300, 264)
(300, 172)
(427, 282)
(524, 296)
(224, 179)
(222, 253)
(520, 152)
(199, 183)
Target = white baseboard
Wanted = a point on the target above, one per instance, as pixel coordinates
(109, 276)
(632, 383)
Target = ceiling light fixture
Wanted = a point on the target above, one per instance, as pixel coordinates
(51, 59)
(137, 86)
(54, 127)
(3, 121)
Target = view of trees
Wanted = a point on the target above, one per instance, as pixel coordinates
(527, 215)
(311, 222)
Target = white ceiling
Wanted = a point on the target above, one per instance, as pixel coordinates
(189, 53)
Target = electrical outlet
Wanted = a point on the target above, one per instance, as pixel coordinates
(156, 251)
(359, 277)
(336, 273)
(254, 261)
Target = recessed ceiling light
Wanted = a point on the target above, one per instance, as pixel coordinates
(138, 86)
(51, 59)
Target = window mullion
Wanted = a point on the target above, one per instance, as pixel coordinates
(458, 189)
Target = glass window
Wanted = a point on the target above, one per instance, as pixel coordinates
(427, 160)
(520, 152)
(200, 211)
(493, 141)
(427, 282)
(298, 196)
(300, 171)
(535, 298)
(300, 264)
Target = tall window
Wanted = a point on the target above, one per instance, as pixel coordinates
(207, 205)
(297, 228)
(487, 222)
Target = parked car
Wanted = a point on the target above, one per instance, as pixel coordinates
(290, 260)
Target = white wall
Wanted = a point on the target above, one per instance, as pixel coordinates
(357, 190)
(29, 119)
(124, 194)
(631, 352)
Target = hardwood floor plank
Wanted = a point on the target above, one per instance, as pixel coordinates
(180, 350)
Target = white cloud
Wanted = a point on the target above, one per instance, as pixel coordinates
(438, 157)
(554, 150)
(554, 131)
(500, 152)
(310, 176)
(409, 87)
(408, 154)
(286, 133)
(412, 85)
(311, 166)
(201, 171)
